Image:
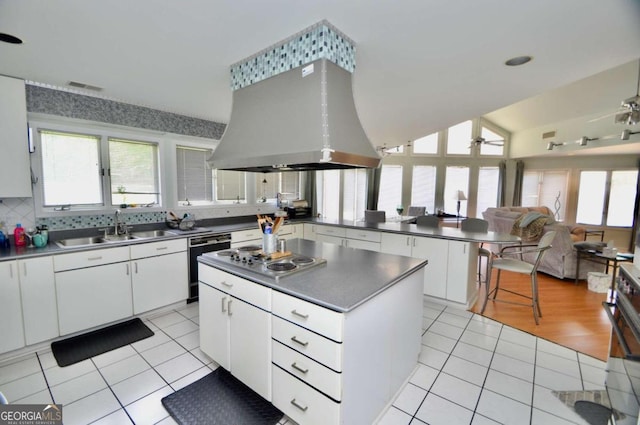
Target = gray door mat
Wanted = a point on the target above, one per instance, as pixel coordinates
(220, 399)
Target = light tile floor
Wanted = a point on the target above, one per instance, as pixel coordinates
(472, 370)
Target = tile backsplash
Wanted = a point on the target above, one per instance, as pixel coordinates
(17, 210)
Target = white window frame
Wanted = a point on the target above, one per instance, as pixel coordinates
(104, 132)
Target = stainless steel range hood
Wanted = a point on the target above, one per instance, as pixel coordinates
(302, 119)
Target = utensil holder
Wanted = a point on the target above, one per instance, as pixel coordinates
(269, 243)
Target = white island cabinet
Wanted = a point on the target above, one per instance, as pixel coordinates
(235, 326)
(332, 355)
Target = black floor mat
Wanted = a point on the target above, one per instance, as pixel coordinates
(78, 348)
(220, 399)
(594, 413)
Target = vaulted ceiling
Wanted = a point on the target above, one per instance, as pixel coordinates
(421, 65)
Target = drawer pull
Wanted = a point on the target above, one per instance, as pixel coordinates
(299, 406)
(224, 299)
(302, 315)
(160, 248)
(228, 285)
(297, 341)
(298, 368)
(94, 258)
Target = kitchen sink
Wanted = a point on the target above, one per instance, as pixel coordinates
(118, 238)
(68, 243)
(152, 233)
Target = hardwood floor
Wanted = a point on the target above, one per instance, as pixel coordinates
(572, 315)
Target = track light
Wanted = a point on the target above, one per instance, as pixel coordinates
(627, 133)
(584, 140)
(552, 145)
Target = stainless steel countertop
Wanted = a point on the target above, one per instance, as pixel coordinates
(348, 279)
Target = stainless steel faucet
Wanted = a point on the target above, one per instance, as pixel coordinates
(119, 228)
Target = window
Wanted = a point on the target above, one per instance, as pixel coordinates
(328, 184)
(423, 188)
(427, 145)
(488, 178)
(488, 148)
(456, 180)
(546, 189)
(354, 194)
(598, 189)
(390, 195)
(230, 186)
(268, 185)
(459, 139)
(95, 171)
(71, 169)
(134, 172)
(195, 177)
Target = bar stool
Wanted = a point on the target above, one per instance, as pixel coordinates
(518, 266)
(478, 225)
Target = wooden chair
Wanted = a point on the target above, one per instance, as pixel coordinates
(428, 221)
(375, 216)
(478, 225)
(519, 266)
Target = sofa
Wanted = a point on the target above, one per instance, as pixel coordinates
(559, 261)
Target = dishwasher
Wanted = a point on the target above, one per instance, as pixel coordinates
(198, 245)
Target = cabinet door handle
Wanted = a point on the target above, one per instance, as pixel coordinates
(228, 285)
(136, 264)
(297, 341)
(11, 270)
(160, 248)
(24, 268)
(223, 300)
(299, 368)
(229, 307)
(414, 241)
(127, 269)
(408, 240)
(94, 258)
(299, 406)
(302, 315)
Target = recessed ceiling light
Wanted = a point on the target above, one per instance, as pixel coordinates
(518, 60)
(8, 38)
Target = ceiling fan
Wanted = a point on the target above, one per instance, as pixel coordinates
(477, 141)
(629, 111)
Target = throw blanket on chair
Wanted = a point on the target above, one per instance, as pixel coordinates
(532, 231)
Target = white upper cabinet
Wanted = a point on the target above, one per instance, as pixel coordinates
(15, 174)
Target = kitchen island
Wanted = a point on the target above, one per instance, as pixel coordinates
(328, 345)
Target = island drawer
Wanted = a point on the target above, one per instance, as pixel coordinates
(311, 316)
(319, 348)
(363, 235)
(318, 376)
(247, 291)
(153, 249)
(302, 403)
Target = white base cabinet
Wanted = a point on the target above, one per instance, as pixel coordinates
(93, 296)
(235, 326)
(350, 238)
(450, 274)
(10, 308)
(159, 274)
(28, 308)
(39, 306)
